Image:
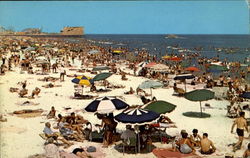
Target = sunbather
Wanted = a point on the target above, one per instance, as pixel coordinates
(195, 138)
(207, 146)
(52, 113)
(80, 152)
(185, 145)
(131, 91)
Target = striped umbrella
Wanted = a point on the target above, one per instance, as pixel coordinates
(106, 105)
(137, 116)
(83, 80)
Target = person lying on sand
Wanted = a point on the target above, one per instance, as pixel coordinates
(52, 113)
(2, 119)
(139, 91)
(27, 111)
(49, 133)
(207, 146)
(81, 153)
(12, 90)
(23, 92)
(51, 85)
(131, 91)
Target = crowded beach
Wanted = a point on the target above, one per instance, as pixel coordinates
(67, 99)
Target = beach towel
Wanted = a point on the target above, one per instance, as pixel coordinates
(167, 153)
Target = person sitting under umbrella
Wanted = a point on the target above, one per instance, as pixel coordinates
(145, 100)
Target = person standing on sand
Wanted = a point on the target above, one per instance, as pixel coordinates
(241, 123)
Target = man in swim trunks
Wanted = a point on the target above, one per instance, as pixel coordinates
(207, 146)
(241, 123)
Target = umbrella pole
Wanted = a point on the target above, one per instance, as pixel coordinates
(82, 90)
(185, 86)
(201, 108)
(151, 93)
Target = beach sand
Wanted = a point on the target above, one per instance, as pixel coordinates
(20, 136)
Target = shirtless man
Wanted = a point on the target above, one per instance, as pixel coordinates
(241, 123)
(207, 146)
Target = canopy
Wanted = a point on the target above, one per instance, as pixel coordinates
(106, 105)
(100, 68)
(82, 80)
(137, 116)
(160, 107)
(199, 95)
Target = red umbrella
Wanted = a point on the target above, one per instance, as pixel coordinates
(175, 59)
(150, 64)
(192, 68)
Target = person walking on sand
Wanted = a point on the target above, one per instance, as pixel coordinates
(241, 123)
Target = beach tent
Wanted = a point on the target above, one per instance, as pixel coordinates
(106, 105)
(160, 107)
(199, 95)
(102, 76)
(150, 84)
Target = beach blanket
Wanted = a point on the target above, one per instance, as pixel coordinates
(167, 153)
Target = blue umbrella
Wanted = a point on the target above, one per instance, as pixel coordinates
(106, 105)
(245, 95)
(137, 116)
(184, 77)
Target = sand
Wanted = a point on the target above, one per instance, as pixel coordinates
(20, 136)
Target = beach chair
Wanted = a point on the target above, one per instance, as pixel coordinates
(131, 142)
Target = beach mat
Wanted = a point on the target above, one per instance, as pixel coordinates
(168, 153)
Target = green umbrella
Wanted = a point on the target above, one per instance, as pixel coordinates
(218, 68)
(160, 107)
(100, 68)
(199, 95)
(102, 76)
(150, 84)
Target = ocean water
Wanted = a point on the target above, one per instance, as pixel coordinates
(160, 44)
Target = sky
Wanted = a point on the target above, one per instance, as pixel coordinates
(129, 17)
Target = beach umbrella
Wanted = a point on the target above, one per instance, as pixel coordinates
(137, 116)
(217, 68)
(106, 105)
(150, 64)
(117, 51)
(160, 107)
(199, 95)
(100, 68)
(175, 59)
(192, 69)
(82, 80)
(245, 95)
(29, 49)
(184, 77)
(150, 84)
(166, 57)
(160, 67)
(102, 76)
(93, 52)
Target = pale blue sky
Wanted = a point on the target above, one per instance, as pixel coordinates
(129, 17)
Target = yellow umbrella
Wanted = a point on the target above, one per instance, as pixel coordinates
(166, 57)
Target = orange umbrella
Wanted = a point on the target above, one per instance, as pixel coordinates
(191, 68)
(175, 59)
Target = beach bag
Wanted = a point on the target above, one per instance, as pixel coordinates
(91, 149)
